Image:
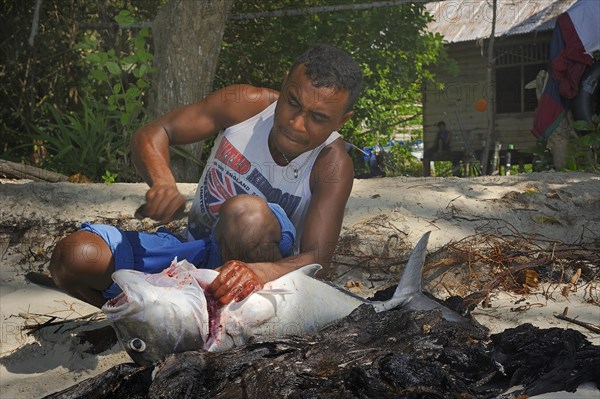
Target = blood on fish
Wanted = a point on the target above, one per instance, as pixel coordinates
(212, 306)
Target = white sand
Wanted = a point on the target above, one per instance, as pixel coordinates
(562, 207)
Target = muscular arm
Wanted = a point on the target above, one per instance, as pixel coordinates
(331, 184)
(185, 125)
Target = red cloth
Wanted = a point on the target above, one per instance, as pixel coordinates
(568, 62)
(572, 61)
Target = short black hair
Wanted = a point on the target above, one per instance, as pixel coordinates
(441, 123)
(328, 66)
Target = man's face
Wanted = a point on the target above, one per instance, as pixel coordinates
(306, 115)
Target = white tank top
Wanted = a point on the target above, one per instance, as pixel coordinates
(240, 163)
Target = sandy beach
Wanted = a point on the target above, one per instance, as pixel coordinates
(539, 214)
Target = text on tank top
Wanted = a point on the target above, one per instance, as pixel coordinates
(240, 163)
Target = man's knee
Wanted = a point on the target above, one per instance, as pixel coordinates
(245, 213)
(241, 203)
(81, 258)
(248, 230)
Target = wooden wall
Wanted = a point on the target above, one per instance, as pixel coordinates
(455, 103)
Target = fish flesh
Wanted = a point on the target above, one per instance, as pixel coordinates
(170, 312)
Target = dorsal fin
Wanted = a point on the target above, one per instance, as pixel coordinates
(408, 294)
(410, 283)
(411, 279)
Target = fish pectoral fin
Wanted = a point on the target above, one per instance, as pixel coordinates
(275, 291)
(311, 270)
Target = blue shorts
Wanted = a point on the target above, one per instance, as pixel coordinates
(153, 252)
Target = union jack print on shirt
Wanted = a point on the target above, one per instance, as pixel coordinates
(220, 188)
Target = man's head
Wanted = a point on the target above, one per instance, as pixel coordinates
(441, 125)
(328, 66)
(316, 98)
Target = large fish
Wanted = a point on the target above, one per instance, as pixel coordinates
(168, 312)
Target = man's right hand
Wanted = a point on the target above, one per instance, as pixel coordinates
(234, 283)
(164, 203)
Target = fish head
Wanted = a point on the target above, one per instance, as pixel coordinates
(158, 314)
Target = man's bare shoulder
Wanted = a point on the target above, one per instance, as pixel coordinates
(247, 95)
(333, 165)
(336, 150)
(238, 102)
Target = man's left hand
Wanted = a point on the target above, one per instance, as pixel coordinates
(235, 282)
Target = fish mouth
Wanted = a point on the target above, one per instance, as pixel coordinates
(115, 304)
(128, 300)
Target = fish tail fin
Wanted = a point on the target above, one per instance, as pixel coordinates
(410, 283)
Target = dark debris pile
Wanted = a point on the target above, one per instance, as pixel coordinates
(394, 354)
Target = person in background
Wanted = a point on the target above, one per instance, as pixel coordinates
(442, 141)
(376, 162)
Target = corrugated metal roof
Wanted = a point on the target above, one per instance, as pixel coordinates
(464, 20)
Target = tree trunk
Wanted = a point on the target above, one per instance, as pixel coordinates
(187, 40)
(491, 108)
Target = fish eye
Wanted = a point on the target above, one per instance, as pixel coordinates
(137, 345)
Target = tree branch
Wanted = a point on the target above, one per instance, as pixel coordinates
(22, 171)
(272, 13)
(320, 9)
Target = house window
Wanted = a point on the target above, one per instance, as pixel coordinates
(517, 65)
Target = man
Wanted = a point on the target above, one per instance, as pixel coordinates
(441, 145)
(376, 161)
(270, 200)
(443, 137)
(442, 140)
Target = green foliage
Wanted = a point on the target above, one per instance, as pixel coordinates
(517, 169)
(50, 83)
(34, 75)
(542, 158)
(390, 43)
(119, 78)
(442, 168)
(95, 137)
(109, 178)
(361, 166)
(583, 151)
(400, 162)
(585, 126)
(83, 142)
(72, 72)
